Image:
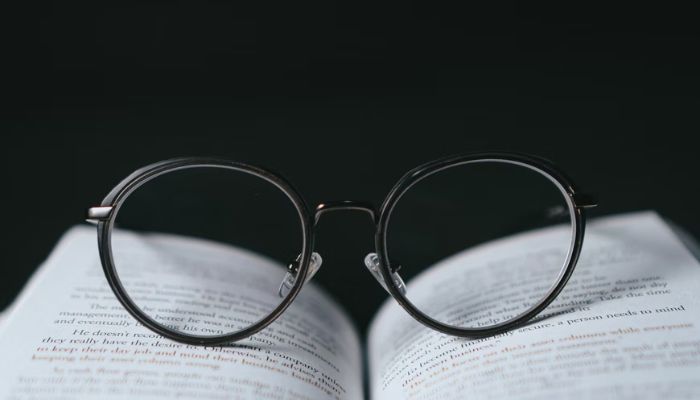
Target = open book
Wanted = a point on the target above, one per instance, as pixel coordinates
(627, 325)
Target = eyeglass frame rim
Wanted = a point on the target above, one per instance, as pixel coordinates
(116, 197)
(121, 192)
(578, 201)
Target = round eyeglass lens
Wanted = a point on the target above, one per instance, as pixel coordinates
(481, 243)
(203, 250)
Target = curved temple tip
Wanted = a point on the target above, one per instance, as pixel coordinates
(291, 276)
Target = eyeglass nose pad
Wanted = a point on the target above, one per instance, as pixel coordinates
(372, 264)
(293, 268)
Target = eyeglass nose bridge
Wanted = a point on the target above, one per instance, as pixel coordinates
(371, 261)
(345, 205)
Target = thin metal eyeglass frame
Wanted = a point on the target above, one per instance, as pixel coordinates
(105, 214)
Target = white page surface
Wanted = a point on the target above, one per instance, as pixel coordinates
(68, 337)
(627, 325)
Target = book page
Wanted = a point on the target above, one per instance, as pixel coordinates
(68, 337)
(627, 325)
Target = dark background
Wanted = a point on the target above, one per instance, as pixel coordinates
(342, 99)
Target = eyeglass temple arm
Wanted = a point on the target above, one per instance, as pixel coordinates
(98, 213)
(583, 200)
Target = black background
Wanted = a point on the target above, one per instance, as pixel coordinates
(341, 99)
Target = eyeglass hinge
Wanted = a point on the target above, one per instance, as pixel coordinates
(583, 200)
(97, 214)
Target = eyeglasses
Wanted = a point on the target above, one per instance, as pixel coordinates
(195, 248)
